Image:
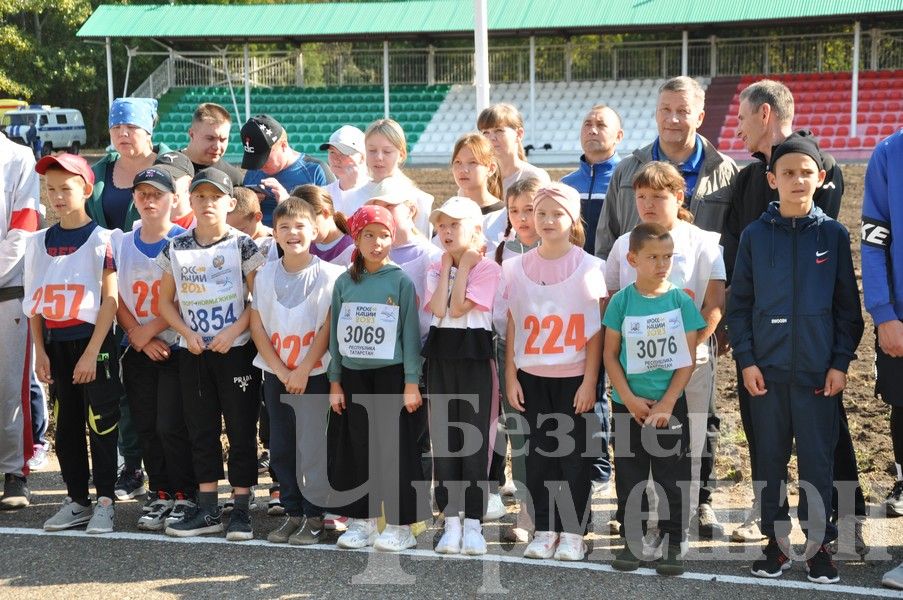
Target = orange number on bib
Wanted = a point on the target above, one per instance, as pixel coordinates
(53, 302)
(574, 335)
(142, 290)
(293, 344)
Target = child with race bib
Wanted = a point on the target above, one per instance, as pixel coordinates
(697, 268)
(460, 372)
(70, 300)
(150, 365)
(519, 238)
(651, 325)
(288, 316)
(333, 244)
(374, 345)
(554, 346)
(206, 275)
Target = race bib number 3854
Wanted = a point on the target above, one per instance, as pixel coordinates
(656, 342)
(367, 330)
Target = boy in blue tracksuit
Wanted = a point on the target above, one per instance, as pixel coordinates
(882, 258)
(795, 321)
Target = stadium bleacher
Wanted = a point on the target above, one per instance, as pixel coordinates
(822, 104)
(309, 115)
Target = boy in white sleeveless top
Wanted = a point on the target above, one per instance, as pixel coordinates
(70, 300)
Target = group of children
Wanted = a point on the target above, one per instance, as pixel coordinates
(374, 345)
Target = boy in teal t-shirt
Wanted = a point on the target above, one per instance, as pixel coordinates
(650, 343)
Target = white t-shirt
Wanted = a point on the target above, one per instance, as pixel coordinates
(348, 201)
(526, 170)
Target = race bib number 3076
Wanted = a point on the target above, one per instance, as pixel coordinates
(367, 330)
(656, 342)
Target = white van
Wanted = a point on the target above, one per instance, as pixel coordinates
(47, 129)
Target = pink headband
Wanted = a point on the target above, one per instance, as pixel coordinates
(564, 195)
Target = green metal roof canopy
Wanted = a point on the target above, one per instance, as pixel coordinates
(454, 18)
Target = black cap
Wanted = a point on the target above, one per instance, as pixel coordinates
(799, 142)
(214, 177)
(160, 177)
(180, 163)
(258, 136)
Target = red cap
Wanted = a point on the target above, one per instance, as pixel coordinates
(73, 163)
(368, 214)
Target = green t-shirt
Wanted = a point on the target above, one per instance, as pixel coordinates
(658, 338)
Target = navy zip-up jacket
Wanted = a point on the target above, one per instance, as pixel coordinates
(591, 180)
(794, 307)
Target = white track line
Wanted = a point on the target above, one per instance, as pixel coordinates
(429, 554)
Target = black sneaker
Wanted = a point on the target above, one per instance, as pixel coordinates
(671, 564)
(821, 567)
(181, 507)
(16, 494)
(263, 462)
(198, 520)
(774, 564)
(130, 484)
(239, 528)
(626, 560)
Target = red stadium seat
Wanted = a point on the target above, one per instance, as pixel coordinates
(739, 145)
(881, 74)
(802, 120)
(868, 84)
(843, 131)
(855, 142)
(816, 120)
(882, 95)
(892, 106)
(728, 133)
(837, 108)
(803, 108)
(724, 145)
(838, 142)
(825, 143)
(825, 131)
(831, 120)
(887, 130)
(731, 122)
(862, 118)
(869, 142)
(884, 84)
(874, 118)
(871, 130)
(876, 106)
(890, 118)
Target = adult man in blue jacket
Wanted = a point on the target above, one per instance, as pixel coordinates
(599, 136)
(882, 274)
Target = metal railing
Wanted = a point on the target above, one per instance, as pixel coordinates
(342, 64)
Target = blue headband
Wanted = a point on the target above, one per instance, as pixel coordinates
(140, 112)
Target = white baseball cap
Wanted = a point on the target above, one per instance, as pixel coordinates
(458, 207)
(391, 190)
(347, 139)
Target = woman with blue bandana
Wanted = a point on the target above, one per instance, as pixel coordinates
(131, 127)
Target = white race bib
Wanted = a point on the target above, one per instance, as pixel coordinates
(367, 330)
(656, 342)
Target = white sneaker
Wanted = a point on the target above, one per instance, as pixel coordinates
(495, 508)
(38, 460)
(395, 538)
(102, 519)
(543, 545)
(360, 534)
(71, 514)
(474, 543)
(749, 530)
(652, 544)
(570, 547)
(508, 488)
(894, 578)
(450, 542)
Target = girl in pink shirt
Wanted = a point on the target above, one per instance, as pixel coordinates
(554, 347)
(460, 369)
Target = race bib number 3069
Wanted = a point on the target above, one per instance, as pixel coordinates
(367, 330)
(656, 342)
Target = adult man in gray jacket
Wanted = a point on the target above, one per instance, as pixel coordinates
(708, 173)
